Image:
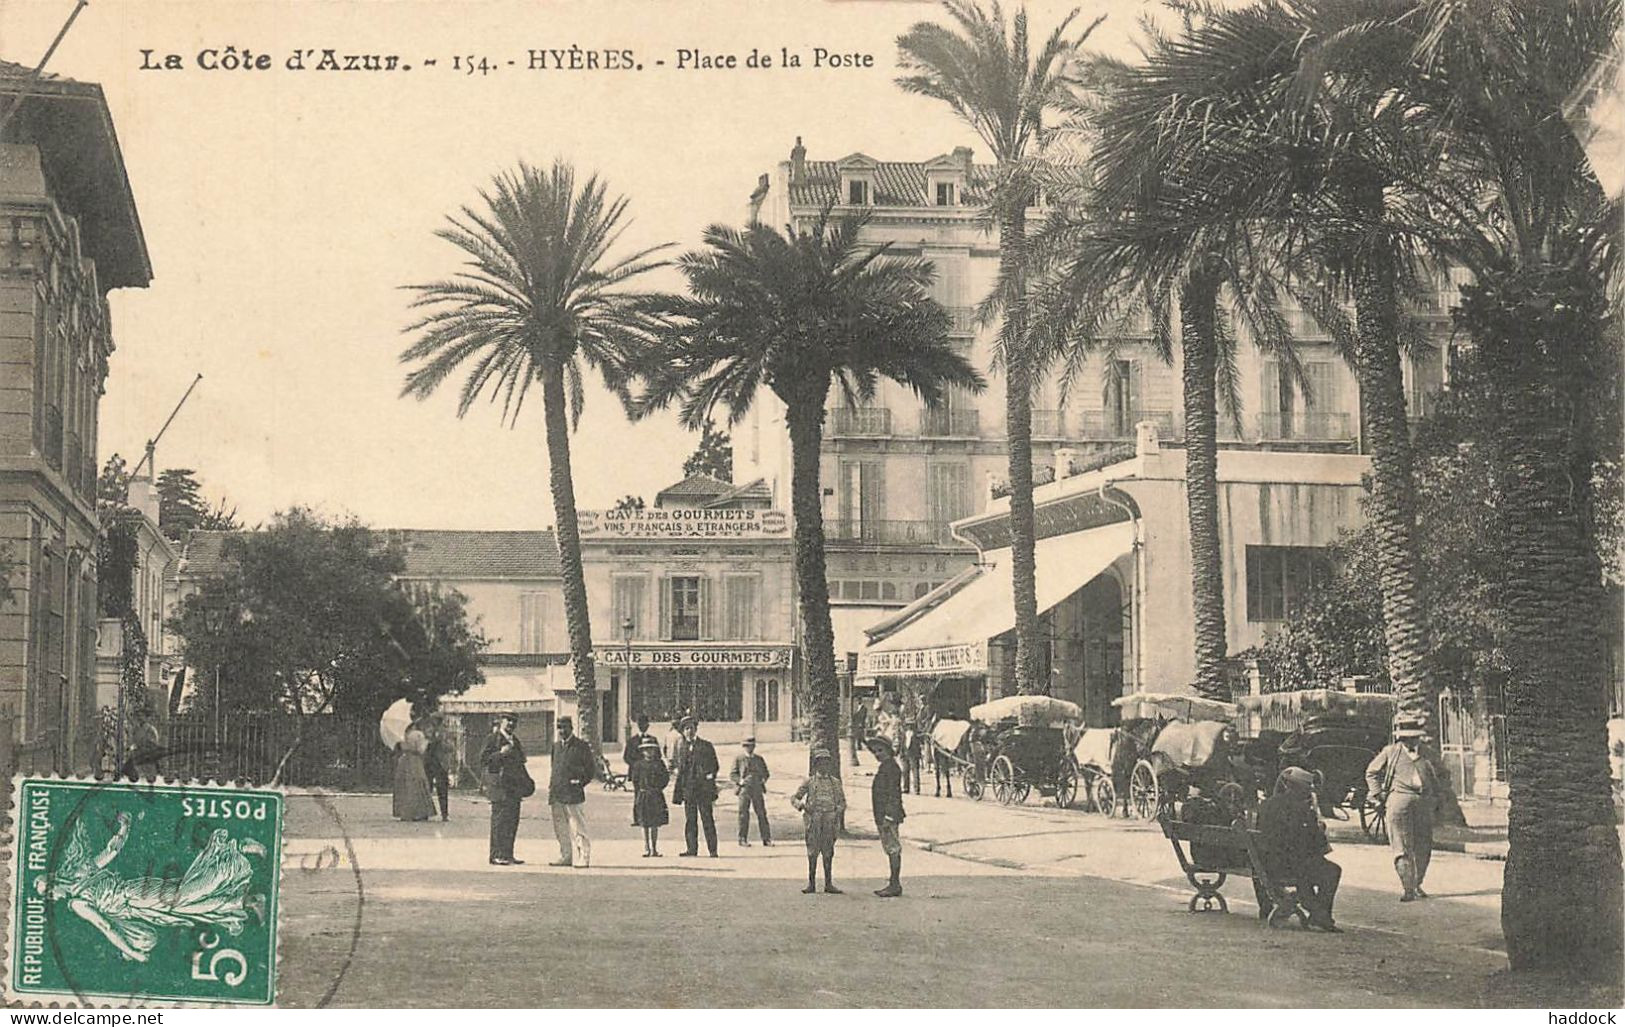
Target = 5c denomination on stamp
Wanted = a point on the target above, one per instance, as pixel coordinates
(128, 891)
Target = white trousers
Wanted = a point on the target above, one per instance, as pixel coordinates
(570, 828)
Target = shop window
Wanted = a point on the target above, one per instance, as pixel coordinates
(743, 601)
(714, 696)
(1280, 579)
(685, 608)
(767, 700)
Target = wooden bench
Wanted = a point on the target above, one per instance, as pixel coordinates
(1208, 876)
(613, 780)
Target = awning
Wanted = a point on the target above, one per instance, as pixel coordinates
(952, 639)
(523, 691)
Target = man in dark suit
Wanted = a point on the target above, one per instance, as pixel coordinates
(573, 768)
(696, 788)
(1295, 847)
(506, 780)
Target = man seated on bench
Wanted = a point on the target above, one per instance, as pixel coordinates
(1294, 847)
(1201, 808)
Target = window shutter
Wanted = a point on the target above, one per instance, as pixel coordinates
(707, 618)
(664, 584)
(1270, 387)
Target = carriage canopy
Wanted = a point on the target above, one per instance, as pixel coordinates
(1192, 745)
(1174, 706)
(1028, 711)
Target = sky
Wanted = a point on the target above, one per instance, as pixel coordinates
(285, 210)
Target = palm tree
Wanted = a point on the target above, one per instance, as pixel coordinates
(986, 72)
(800, 312)
(539, 299)
(1525, 214)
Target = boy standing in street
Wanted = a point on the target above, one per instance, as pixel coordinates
(822, 802)
(887, 796)
(749, 777)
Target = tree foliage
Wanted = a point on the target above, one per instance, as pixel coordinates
(312, 621)
(713, 455)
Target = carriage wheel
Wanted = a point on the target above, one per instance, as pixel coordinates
(1374, 820)
(1144, 797)
(971, 782)
(1105, 796)
(1002, 778)
(1066, 784)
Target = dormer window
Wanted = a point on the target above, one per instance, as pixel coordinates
(947, 195)
(858, 173)
(857, 192)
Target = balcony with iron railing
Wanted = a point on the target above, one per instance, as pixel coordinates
(888, 533)
(860, 422)
(1110, 424)
(1049, 424)
(940, 423)
(51, 444)
(1305, 425)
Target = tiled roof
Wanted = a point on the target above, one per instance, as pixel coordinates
(897, 184)
(429, 554)
(695, 486)
(11, 69)
(753, 491)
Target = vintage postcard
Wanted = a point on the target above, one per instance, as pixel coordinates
(833, 503)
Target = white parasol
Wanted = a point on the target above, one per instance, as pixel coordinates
(393, 724)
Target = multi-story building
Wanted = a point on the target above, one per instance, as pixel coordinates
(69, 234)
(897, 474)
(153, 566)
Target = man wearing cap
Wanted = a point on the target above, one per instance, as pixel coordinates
(886, 794)
(1294, 849)
(1402, 780)
(507, 782)
(633, 751)
(696, 788)
(749, 777)
(573, 768)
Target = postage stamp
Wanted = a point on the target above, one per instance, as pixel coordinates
(143, 892)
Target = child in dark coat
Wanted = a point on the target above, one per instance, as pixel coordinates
(649, 779)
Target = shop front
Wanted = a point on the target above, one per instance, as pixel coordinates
(735, 691)
(954, 648)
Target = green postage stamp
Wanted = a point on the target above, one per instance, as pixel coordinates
(143, 893)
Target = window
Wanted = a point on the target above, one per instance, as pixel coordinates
(921, 588)
(945, 194)
(628, 603)
(714, 696)
(685, 606)
(533, 611)
(857, 192)
(609, 710)
(950, 492)
(1120, 398)
(862, 497)
(767, 700)
(743, 600)
(1280, 578)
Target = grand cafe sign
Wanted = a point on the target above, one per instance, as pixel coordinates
(683, 524)
(962, 658)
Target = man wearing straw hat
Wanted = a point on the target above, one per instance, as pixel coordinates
(1404, 782)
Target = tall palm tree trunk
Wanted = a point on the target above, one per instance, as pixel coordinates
(806, 423)
(1392, 506)
(1198, 311)
(1018, 417)
(1562, 894)
(562, 484)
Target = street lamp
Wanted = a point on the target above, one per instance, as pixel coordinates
(214, 619)
(626, 640)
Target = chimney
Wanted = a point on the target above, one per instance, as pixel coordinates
(963, 155)
(798, 163)
(1063, 462)
(757, 195)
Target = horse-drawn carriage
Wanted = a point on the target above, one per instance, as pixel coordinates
(1169, 742)
(1332, 734)
(1028, 746)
